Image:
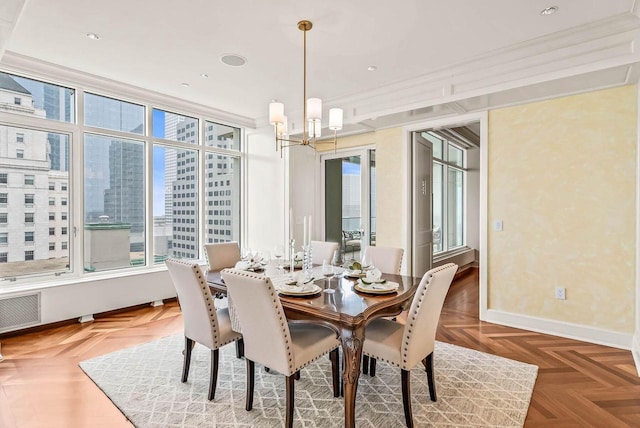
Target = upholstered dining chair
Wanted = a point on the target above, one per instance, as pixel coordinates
(405, 346)
(273, 342)
(203, 323)
(387, 259)
(222, 255)
(323, 250)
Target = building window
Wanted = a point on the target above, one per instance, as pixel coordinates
(3, 257)
(28, 255)
(56, 102)
(63, 216)
(4, 198)
(19, 154)
(3, 218)
(63, 186)
(63, 202)
(28, 237)
(3, 178)
(52, 246)
(52, 202)
(52, 185)
(29, 180)
(17, 101)
(448, 193)
(64, 245)
(110, 113)
(4, 238)
(19, 137)
(28, 217)
(52, 216)
(29, 198)
(64, 231)
(52, 231)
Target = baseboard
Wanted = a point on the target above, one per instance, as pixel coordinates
(635, 351)
(563, 329)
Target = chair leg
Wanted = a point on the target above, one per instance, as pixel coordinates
(215, 355)
(188, 346)
(290, 386)
(406, 398)
(372, 368)
(365, 364)
(250, 383)
(267, 369)
(296, 375)
(239, 348)
(333, 356)
(428, 365)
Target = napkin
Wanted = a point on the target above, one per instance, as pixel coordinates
(373, 275)
(243, 265)
(300, 279)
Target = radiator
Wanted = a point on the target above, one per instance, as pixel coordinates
(19, 311)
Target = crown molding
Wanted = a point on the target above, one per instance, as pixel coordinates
(30, 67)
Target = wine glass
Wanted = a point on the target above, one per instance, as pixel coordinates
(327, 271)
(336, 261)
(366, 261)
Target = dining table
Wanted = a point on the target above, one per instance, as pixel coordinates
(346, 310)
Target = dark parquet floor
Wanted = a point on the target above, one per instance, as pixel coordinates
(579, 384)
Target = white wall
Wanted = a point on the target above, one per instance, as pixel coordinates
(304, 190)
(265, 203)
(473, 199)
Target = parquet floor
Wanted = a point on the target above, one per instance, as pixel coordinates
(578, 385)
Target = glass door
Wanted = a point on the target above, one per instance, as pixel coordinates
(348, 217)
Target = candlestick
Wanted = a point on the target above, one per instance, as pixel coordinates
(304, 232)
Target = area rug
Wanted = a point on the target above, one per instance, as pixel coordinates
(474, 389)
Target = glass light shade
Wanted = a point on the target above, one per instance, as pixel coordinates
(281, 128)
(335, 119)
(276, 113)
(314, 109)
(314, 129)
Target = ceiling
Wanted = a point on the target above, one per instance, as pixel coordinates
(159, 44)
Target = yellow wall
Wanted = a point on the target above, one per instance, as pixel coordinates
(562, 176)
(390, 185)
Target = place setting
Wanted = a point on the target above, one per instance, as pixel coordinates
(373, 283)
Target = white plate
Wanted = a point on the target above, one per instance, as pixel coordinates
(308, 290)
(353, 273)
(377, 288)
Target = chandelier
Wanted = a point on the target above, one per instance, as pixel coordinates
(312, 112)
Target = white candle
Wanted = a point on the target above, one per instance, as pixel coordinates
(310, 231)
(305, 231)
(290, 223)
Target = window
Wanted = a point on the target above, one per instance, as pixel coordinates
(53, 101)
(19, 154)
(19, 137)
(172, 126)
(64, 231)
(52, 246)
(3, 218)
(116, 197)
(28, 255)
(4, 238)
(228, 168)
(46, 162)
(109, 113)
(63, 202)
(52, 231)
(448, 193)
(3, 178)
(63, 187)
(3, 257)
(63, 216)
(4, 198)
(64, 245)
(222, 136)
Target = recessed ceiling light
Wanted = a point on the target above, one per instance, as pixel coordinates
(93, 36)
(205, 75)
(549, 10)
(372, 68)
(185, 84)
(233, 60)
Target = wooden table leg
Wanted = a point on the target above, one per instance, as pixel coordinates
(352, 341)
